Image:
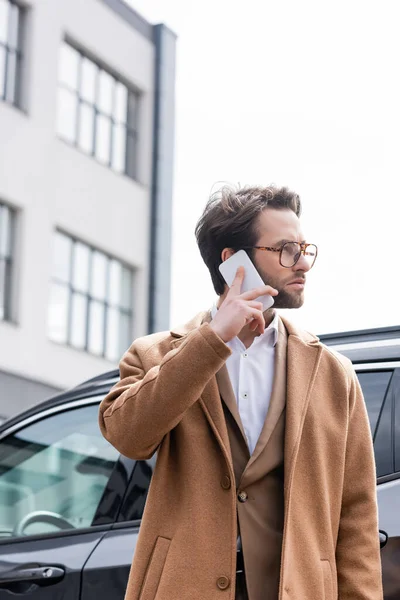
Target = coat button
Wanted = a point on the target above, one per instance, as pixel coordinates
(242, 496)
(223, 582)
(226, 482)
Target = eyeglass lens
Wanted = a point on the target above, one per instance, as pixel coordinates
(291, 252)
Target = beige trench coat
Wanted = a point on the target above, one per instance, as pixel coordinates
(168, 400)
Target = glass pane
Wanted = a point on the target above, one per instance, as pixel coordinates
(115, 283)
(383, 441)
(2, 288)
(131, 155)
(374, 386)
(99, 275)
(61, 464)
(2, 71)
(112, 349)
(80, 276)
(5, 231)
(12, 66)
(62, 257)
(66, 114)
(69, 66)
(106, 91)
(121, 103)
(396, 432)
(78, 321)
(136, 494)
(86, 128)
(3, 21)
(7, 290)
(96, 328)
(14, 27)
(126, 295)
(88, 80)
(103, 138)
(119, 148)
(125, 333)
(58, 313)
(132, 109)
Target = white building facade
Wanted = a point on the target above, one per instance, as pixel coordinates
(86, 152)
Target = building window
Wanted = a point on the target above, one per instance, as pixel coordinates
(10, 50)
(90, 300)
(97, 112)
(7, 218)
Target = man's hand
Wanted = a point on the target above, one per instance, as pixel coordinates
(238, 310)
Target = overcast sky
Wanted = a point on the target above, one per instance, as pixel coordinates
(302, 94)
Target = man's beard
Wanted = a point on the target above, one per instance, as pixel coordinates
(284, 299)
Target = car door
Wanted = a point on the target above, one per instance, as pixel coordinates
(105, 574)
(387, 445)
(382, 395)
(61, 489)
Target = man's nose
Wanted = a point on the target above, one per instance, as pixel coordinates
(302, 264)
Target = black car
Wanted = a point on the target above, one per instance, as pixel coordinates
(70, 505)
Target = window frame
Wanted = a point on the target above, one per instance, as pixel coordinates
(90, 299)
(383, 444)
(131, 124)
(396, 432)
(10, 50)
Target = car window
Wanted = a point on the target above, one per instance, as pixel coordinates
(374, 385)
(136, 494)
(45, 482)
(396, 392)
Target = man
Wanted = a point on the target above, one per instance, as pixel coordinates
(264, 486)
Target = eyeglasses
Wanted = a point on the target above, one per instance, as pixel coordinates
(290, 252)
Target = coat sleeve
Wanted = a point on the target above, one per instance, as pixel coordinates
(358, 550)
(143, 406)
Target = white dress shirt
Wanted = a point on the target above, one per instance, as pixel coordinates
(251, 372)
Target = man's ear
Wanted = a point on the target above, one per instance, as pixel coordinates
(227, 253)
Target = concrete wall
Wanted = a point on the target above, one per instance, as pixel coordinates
(55, 185)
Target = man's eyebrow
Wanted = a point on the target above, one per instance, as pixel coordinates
(281, 242)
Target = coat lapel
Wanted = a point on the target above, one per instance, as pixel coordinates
(210, 396)
(302, 361)
(277, 401)
(225, 389)
(228, 396)
(215, 415)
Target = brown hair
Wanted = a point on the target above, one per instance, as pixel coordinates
(229, 220)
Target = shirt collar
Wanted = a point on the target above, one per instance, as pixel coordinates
(272, 329)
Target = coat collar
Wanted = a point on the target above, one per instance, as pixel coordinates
(292, 330)
(183, 330)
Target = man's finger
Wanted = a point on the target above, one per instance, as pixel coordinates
(237, 282)
(259, 291)
(256, 318)
(257, 305)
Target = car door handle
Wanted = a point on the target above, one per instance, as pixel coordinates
(38, 575)
(383, 538)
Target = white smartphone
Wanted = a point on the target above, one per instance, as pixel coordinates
(252, 278)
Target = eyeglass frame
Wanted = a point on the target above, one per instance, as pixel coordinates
(303, 248)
